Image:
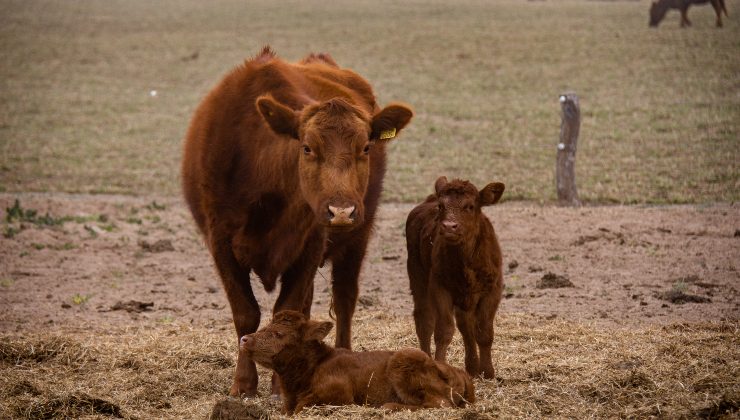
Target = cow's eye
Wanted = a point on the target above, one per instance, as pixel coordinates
(469, 207)
(278, 334)
(440, 207)
(366, 150)
(306, 150)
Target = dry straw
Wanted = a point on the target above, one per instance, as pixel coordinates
(545, 368)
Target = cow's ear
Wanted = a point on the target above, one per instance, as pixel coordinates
(491, 193)
(282, 120)
(389, 121)
(441, 182)
(317, 330)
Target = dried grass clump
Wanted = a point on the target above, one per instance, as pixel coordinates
(545, 368)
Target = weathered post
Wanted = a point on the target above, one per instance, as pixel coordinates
(565, 171)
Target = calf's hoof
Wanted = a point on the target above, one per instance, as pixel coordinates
(488, 373)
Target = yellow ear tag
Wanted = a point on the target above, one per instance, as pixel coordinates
(388, 134)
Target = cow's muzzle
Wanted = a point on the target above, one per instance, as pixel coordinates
(341, 216)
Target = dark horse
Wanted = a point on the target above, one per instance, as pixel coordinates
(659, 8)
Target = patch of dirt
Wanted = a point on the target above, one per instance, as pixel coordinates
(678, 297)
(88, 254)
(132, 306)
(553, 281)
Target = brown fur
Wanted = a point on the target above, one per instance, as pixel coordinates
(271, 150)
(312, 373)
(454, 266)
(658, 10)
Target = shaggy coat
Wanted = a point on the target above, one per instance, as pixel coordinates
(658, 10)
(283, 168)
(454, 267)
(312, 373)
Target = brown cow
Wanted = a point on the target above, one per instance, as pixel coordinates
(282, 170)
(454, 266)
(659, 8)
(312, 373)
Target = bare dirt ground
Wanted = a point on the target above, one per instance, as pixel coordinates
(84, 270)
(621, 263)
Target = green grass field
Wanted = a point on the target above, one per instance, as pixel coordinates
(661, 107)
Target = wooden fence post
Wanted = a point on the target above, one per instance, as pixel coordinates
(565, 171)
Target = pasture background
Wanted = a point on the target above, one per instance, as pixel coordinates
(661, 116)
(661, 107)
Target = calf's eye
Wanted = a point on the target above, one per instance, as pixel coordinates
(306, 150)
(366, 150)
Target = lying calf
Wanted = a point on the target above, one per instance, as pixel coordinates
(312, 373)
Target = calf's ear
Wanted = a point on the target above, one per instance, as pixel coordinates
(316, 330)
(281, 119)
(389, 121)
(491, 193)
(440, 183)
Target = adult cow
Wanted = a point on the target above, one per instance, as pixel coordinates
(282, 170)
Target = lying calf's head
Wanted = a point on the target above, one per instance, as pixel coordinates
(461, 386)
(459, 207)
(288, 329)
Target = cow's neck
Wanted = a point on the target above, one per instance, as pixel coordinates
(296, 365)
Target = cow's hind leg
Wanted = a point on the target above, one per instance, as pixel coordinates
(685, 17)
(244, 309)
(718, 11)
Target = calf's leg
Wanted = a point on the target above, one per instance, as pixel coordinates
(486, 312)
(466, 323)
(444, 327)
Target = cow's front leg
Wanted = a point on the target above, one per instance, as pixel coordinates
(345, 274)
(244, 309)
(296, 292)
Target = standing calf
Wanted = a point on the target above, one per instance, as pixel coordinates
(312, 373)
(454, 265)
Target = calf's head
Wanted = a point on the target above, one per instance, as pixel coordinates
(334, 141)
(459, 206)
(287, 330)
(462, 389)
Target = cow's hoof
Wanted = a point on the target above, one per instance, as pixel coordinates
(242, 391)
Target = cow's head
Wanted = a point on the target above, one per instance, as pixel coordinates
(287, 329)
(459, 207)
(334, 142)
(658, 9)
